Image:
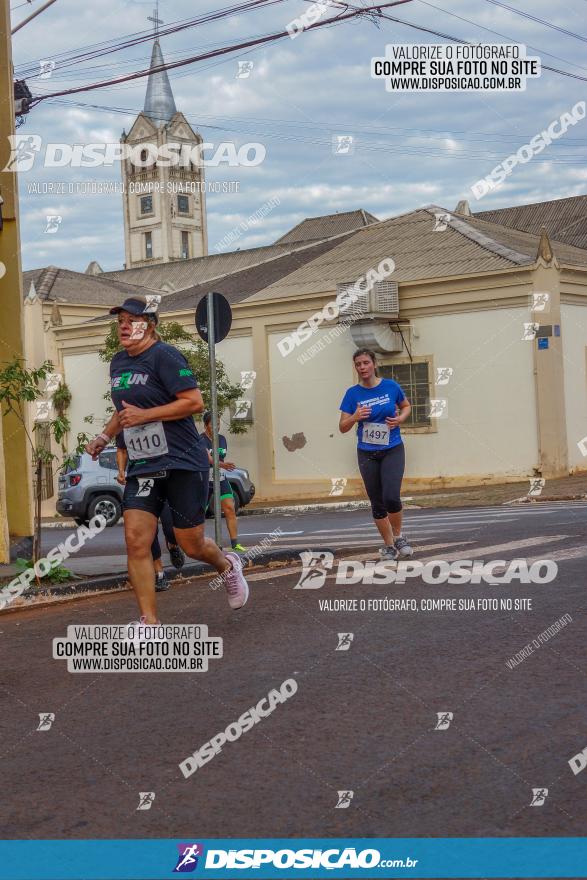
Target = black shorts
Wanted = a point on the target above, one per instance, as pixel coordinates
(225, 490)
(186, 492)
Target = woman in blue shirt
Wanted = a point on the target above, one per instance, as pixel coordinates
(378, 407)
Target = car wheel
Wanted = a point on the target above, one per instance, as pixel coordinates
(237, 500)
(107, 506)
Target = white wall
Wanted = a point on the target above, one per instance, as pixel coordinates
(491, 428)
(87, 378)
(305, 397)
(491, 425)
(574, 338)
(236, 353)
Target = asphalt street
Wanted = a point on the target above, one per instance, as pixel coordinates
(421, 718)
(435, 530)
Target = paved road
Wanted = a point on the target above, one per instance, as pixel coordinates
(434, 530)
(362, 720)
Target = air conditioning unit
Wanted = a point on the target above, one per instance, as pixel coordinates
(382, 301)
(377, 335)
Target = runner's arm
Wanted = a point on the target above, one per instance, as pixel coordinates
(348, 420)
(405, 408)
(121, 460)
(110, 430)
(186, 403)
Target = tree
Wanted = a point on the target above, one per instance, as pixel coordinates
(19, 386)
(195, 351)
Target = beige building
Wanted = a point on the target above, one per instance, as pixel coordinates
(164, 204)
(484, 325)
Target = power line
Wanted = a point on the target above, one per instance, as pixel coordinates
(381, 147)
(467, 42)
(215, 53)
(497, 33)
(547, 24)
(108, 47)
(330, 125)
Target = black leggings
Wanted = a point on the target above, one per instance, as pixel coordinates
(167, 523)
(382, 474)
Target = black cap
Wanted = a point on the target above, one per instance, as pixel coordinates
(135, 307)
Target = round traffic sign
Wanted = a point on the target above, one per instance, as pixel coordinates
(222, 317)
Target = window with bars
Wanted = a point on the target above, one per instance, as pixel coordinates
(414, 379)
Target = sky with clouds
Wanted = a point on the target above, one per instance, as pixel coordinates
(409, 149)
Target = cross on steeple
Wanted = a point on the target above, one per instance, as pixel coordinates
(155, 19)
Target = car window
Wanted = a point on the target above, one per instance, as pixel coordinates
(108, 460)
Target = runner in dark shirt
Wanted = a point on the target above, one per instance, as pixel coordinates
(156, 395)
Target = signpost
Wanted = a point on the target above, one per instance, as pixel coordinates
(213, 322)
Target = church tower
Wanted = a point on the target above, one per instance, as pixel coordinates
(164, 204)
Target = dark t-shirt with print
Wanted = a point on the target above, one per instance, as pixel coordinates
(222, 450)
(153, 378)
(222, 445)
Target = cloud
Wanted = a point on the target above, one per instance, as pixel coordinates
(409, 149)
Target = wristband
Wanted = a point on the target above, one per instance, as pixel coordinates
(104, 437)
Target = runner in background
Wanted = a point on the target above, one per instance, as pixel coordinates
(155, 395)
(226, 496)
(176, 554)
(378, 407)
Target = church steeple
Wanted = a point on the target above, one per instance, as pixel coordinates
(159, 101)
(164, 201)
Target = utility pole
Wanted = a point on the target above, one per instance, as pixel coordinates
(16, 503)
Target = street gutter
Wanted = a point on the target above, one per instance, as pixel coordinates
(120, 580)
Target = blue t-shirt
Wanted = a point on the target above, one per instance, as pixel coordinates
(153, 378)
(382, 399)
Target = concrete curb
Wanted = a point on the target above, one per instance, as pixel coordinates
(526, 499)
(306, 508)
(112, 581)
(315, 507)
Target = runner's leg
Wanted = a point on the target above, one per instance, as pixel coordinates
(167, 523)
(195, 543)
(187, 494)
(392, 472)
(371, 473)
(227, 505)
(139, 531)
(156, 548)
(175, 552)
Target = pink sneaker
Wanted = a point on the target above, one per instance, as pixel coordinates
(237, 589)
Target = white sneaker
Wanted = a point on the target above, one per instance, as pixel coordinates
(402, 545)
(388, 553)
(141, 631)
(237, 589)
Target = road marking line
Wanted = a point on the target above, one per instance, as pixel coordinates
(511, 545)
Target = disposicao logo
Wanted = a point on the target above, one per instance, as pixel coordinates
(187, 860)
